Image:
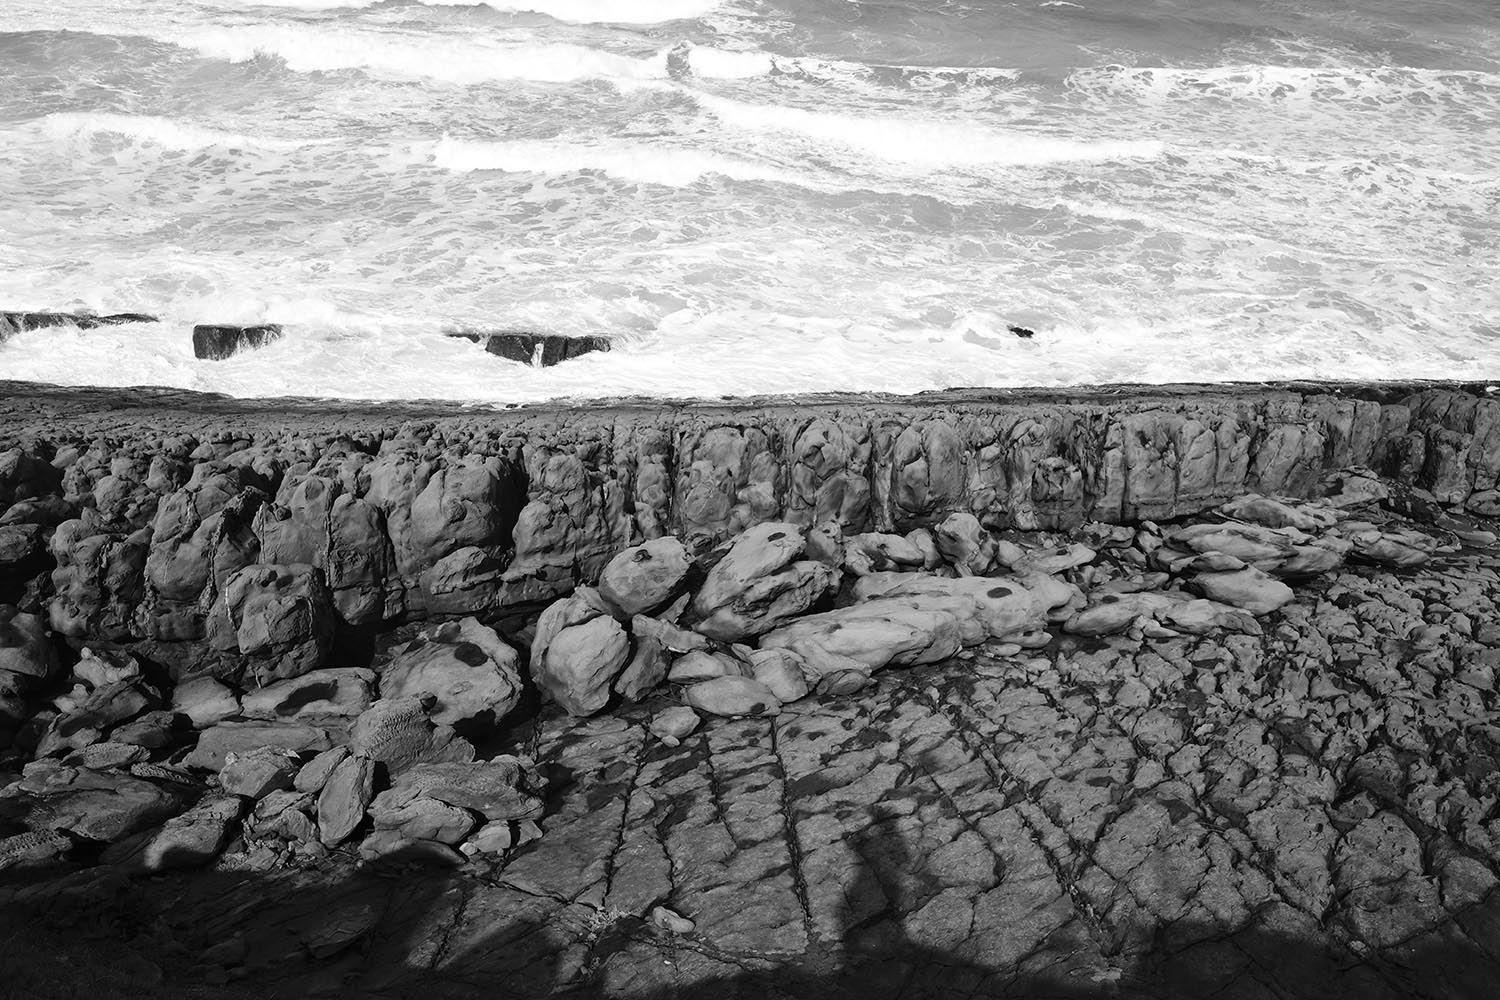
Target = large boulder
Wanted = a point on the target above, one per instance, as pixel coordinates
(26, 657)
(217, 742)
(331, 693)
(279, 617)
(504, 788)
(397, 733)
(1248, 589)
(869, 636)
(643, 578)
(1005, 609)
(466, 667)
(761, 583)
(578, 652)
(98, 805)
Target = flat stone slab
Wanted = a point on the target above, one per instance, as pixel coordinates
(213, 342)
(544, 349)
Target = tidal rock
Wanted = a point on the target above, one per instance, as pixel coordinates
(150, 730)
(1250, 589)
(1115, 613)
(671, 637)
(1283, 551)
(871, 636)
(26, 657)
(782, 671)
(732, 696)
(874, 552)
(759, 552)
(1204, 617)
(281, 617)
(466, 667)
(387, 847)
(672, 725)
(501, 835)
(20, 322)
(33, 848)
(285, 815)
(103, 708)
(579, 662)
(965, 544)
(331, 693)
(217, 342)
(397, 733)
(671, 921)
(642, 579)
(701, 666)
(647, 668)
(1005, 609)
(99, 805)
(545, 350)
(99, 668)
(420, 818)
(191, 840)
(504, 788)
(315, 773)
(205, 700)
(217, 742)
(258, 772)
(104, 756)
(345, 798)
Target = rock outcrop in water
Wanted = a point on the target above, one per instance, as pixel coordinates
(543, 349)
(216, 342)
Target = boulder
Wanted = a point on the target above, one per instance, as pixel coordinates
(315, 773)
(543, 349)
(1004, 609)
(397, 733)
(1249, 589)
(672, 725)
(1116, 612)
(874, 552)
(20, 322)
(218, 741)
(420, 818)
(256, 773)
(701, 666)
(331, 693)
(647, 668)
(215, 342)
(280, 617)
(205, 700)
(578, 663)
(670, 636)
(757, 553)
(191, 840)
(345, 798)
(102, 708)
(466, 667)
(26, 657)
(644, 578)
(98, 805)
(781, 671)
(871, 635)
(1203, 617)
(965, 544)
(151, 730)
(387, 847)
(504, 788)
(732, 696)
(98, 668)
(285, 815)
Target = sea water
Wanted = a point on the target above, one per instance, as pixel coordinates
(753, 196)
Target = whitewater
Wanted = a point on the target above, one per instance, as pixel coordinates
(752, 196)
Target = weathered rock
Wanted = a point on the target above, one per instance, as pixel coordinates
(781, 671)
(732, 696)
(1250, 589)
(103, 708)
(759, 552)
(330, 693)
(35, 847)
(770, 601)
(1203, 617)
(280, 617)
(191, 840)
(205, 700)
(500, 789)
(218, 741)
(964, 543)
(217, 342)
(467, 668)
(397, 733)
(642, 579)
(1401, 548)
(670, 636)
(100, 668)
(873, 635)
(345, 798)
(315, 773)
(875, 552)
(26, 657)
(998, 608)
(701, 666)
(545, 350)
(285, 815)
(647, 668)
(390, 848)
(580, 663)
(1271, 512)
(671, 725)
(151, 730)
(1116, 612)
(98, 805)
(103, 756)
(258, 772)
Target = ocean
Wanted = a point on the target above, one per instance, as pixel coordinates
(752, 196)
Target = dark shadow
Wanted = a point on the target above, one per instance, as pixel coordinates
(430, 934)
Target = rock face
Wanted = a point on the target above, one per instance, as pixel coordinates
(19, 322)
(578, 652)
(554, 349)
(141, 516)
(279, 617)
(215, 343)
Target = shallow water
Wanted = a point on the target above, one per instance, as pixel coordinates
(753, 196)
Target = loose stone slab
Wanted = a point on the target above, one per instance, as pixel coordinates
(519, 346)
(213, 342)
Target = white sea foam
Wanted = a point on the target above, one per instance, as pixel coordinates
(1381, 85)
(579, 11)
(158, 131)
(637, 162)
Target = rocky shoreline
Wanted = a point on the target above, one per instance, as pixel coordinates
(1187, 675)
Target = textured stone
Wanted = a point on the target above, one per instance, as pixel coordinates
(205, 701)
(644, 578)
(191, 840)
(397, 733)
(580, 663)
(218, 741)
(467, 668)
(257, 772)
(281, 617)
(331, 693)
(732, 696)
(1248, 588)
(344, 799)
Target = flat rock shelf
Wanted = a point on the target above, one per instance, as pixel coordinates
(1127, 691)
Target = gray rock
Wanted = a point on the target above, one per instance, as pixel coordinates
(340, 692)
(643, 578)
(205, 700)
(345, 798)
(673, 724)
(257, 772)
(1249, 589)
(647, 668)
(702, 666)
(732, 696)
(581, 663)
(191, 840)
(466, 667)
(217, 742)
(397, 733)
(99, 805)
(278, 616)
(314, 774)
